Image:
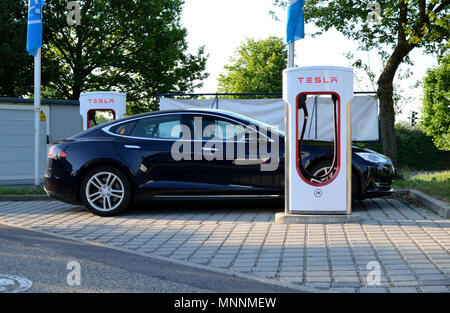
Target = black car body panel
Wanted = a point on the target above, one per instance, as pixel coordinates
(153, 172)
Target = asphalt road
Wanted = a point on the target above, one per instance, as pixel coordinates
(42, 260)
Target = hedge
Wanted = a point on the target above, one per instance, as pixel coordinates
(415, 150)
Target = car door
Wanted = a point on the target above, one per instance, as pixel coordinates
(225, 156)
(145, 144)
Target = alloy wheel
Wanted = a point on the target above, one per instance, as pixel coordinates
(105, 191)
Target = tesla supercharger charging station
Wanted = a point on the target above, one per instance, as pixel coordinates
(329, 193)
(106, 102)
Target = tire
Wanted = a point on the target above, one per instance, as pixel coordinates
(105, 191)
(323, 166)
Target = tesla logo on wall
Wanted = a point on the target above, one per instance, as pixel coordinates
(101, 100)
(317, 80)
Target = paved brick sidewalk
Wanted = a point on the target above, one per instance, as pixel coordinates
(409, 244)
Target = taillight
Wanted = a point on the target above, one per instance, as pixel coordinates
(56, 153)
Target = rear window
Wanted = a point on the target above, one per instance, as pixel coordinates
(124, 129)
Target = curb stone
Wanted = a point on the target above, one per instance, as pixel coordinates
(431, 203)
(284, 218)
(4, 198)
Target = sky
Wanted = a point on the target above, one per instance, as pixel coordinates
(222, 25)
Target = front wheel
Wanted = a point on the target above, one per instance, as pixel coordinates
(105, 191)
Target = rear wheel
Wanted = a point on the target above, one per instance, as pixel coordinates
(322, 167)
(105, 191)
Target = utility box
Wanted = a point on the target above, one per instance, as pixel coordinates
(59, 119)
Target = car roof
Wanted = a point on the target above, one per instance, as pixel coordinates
(224, 113)
(200, 110)
(193, 110)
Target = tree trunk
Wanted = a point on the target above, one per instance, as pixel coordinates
(387, 118)
(385, 93)
(76, 92)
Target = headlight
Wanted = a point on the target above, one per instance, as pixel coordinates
(372, 157)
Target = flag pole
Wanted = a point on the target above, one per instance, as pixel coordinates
(291, 55)
(37, 114)
(294, 31)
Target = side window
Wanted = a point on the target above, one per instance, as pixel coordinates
(220, 128)
(123, 128)
(230, 131)
(163, 127)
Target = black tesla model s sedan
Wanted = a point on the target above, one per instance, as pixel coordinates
(190, 154)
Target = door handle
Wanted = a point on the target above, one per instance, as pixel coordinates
(250, 161)
(132, 147)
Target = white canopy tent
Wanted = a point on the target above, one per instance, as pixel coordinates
(271, 111)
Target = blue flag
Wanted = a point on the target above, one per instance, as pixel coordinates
(295, 21)
(34, 30)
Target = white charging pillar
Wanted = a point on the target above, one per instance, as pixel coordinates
(116, 102)
(334, 195)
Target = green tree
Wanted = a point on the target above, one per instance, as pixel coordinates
(256, 66)
(401, 26)
(16, 65)
(135, 46)
(435, 120)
